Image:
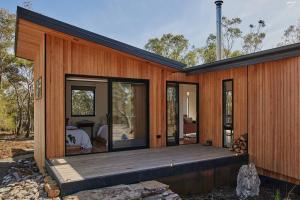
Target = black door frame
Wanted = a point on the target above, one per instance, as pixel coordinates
(177, 83)
(176, 86)
(109, 109)
(223, 111)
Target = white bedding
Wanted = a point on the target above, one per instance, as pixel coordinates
(81, 138)
(103, 132)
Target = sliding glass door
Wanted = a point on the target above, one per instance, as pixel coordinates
(129, 110)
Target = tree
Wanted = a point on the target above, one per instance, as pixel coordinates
(291, 35)
(252, 41)
(208, 53)
(16, 81)
(175, 47)
(7, 28)
(231, 33)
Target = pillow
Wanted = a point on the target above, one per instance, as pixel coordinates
(71, 127)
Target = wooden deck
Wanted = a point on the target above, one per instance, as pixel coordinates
(76, 173)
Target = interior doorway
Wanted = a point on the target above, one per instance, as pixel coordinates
(182, 113)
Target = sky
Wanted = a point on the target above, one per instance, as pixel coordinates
(135, 21)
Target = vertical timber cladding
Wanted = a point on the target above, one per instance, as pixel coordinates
(68, 56)
(274, 118)
(39, 105)
(211, 104)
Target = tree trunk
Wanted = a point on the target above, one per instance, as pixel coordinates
(19, 123)
(28, 118)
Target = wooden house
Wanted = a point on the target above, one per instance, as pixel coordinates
(94, 94)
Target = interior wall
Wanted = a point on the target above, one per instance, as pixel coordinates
(101, 105)
(183, 89)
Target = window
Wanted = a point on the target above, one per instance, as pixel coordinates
(83, 101)
(227, 113)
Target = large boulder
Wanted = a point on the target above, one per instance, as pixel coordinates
(248, 182)
(148, 190)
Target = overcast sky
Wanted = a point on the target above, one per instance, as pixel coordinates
(135, 21)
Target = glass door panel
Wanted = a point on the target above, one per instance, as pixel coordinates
(228, 136)
(129, 115)
(172, 114)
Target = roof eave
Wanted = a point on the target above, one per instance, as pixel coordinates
(250, 59)
(74, 31)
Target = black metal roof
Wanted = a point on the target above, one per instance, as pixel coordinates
(249, 59)
(63, 27)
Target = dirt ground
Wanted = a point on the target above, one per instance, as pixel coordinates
(11, 146)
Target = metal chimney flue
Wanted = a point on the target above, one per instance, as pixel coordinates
(219, 28)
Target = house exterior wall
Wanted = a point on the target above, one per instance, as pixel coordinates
(31, 46)
(274, 118)
(67, 56)
(266, 98)
(211, 104)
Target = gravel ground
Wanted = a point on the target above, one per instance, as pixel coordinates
(23, 181)
(228, 193)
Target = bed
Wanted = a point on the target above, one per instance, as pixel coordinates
(77, 138)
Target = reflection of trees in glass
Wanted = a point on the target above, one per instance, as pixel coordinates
(83, 102)
(123, 104)
(171, 109)
(228, 106)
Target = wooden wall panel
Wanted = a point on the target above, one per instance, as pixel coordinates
(65, 56)
(39, 106)
(55, 97)
(211, 103)
(274, 118)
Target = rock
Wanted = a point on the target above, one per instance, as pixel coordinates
(52, 190)
(4, 189)
(24, 181)
(148, 190)
(47, 179)
(248, 182)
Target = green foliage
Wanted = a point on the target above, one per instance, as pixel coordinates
(231, 32)
(16, 82)
(208, 53)
(277, 195)
(175, 47)
(291, 35)
(82, 102)
(254, 39)
(6, 117)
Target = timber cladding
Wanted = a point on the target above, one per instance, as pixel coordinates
(67, 56)
(274, 118)
(211, 103)
(266, 97)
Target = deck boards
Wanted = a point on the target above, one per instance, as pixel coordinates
(135, 163)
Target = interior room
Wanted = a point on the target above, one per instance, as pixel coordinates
(187, 114)
(86, 115)
(95, 107)
(181, 113)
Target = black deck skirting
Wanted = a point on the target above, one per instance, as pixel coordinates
(143, 175)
